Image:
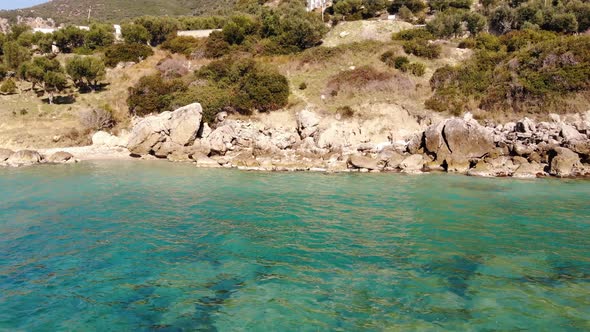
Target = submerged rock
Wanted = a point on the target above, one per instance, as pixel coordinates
(61, 157)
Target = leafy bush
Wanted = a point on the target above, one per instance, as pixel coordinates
(422, 48)
(405, 14)
(541, 76)
(100, 35)
(153, 94)
(413, 34)
(446, 25)
(414, 6)
(212, 98)
(216, 46)
(135, 33)
(126, 53)
(69, 38)
(159, 28)
(467, 43)
(388, 58)
(96, 119)
(249, 85)
(303, 86)
(183, 45)
(15, 55)
(8, 87)
(416, 68)
(401, 62)
(3, 71)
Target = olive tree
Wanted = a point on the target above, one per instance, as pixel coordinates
(86, 71)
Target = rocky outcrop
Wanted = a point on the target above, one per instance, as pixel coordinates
(307, 124)
(456, 142)
(5, 154)
(520, 149)
(163, 131)
(24, 158)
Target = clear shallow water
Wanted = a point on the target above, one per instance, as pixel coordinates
(155, 246)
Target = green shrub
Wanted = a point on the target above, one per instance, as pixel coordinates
(117, 53)
(8, 87)
(153, 94)
(216, 46)
(542, 76)
(388, 58)
(413, 34)
(135, 33)
(212, 98)
(446, 25)
(414, 6)
(405, 14)
(159, 28)
(467, 43)
(303, 86)
(416, 68)
(345, 111)
(401, 63)
(183, 45)
(422, 48)
(3, 71)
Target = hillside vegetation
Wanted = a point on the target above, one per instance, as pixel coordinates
(76, 11)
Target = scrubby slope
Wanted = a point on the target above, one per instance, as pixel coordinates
(76, 11)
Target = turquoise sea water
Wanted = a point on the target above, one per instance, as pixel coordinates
(120, 246)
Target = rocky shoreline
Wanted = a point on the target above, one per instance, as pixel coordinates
(522, 149)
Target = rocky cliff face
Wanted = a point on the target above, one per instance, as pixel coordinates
(462, 145)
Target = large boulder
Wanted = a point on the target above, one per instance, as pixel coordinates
(307, 123)
(220, 139)
(24, 157)
(434, 141)
(457, 142)
(148, 132)
(564, 162)
(569, 133)
(359, 161)
(5, 154)
(467, 140)
(184, 124)
(529, 170)
(179, 127)
(61, 157)
(412, 164)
